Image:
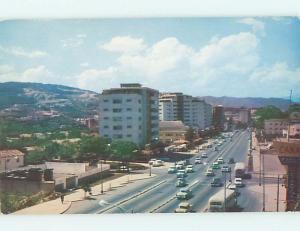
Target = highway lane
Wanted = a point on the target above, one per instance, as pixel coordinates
(150, 199)
(203, 191)
(164, 192)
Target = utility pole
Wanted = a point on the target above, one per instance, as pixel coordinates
(225, 179)
(288, 131)
(259, 166)
(263, 181)
(101, 176)
(277, 206)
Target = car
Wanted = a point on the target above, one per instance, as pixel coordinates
(215, 165)
(225, 168)
(189, 168)
(216, 149)
(179, 166)
(181, 182)
(203, 155)
(209, 172)
(220, 160)
(184, 207)
(181, 174)
(172, 169)
(231, 161)
(158, 163)
(124, 169)
(198, 161)
(184, 194)
(239, 182)
(232, 187)
(216, 182)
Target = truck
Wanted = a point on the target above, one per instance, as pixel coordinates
(239, 170)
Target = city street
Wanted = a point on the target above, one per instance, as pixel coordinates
(157, 195)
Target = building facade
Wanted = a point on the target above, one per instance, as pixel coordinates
(275, 126)
(170, 131)
(129, 113)
(218, 117)
(190, 110)
(11, 159)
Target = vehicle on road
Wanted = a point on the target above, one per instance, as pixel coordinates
(179, 166)
(172, 169)
(218, 201)
(124, 169)
(189, 168)
(225, 168)
(216, 148)
(184, 194)
(203, 155)
(181, 182)
(215, 165)
(231, 161)
(184, 207)
(158, 163)
(239, 170)
(198, 161)
(209, 172)
(216, 182)
(220, 160)
(239, 182)
(181, 174)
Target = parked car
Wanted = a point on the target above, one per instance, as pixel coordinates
(181, 182)
(239, 182)
(216, 182)
(124, 169)
(172, 169)
(184, 207)
(198, 161)
(158, 163)
(152, 161)
(189, 168)
(225, 168)
(184, 194)
(209, 172)
(231, 161)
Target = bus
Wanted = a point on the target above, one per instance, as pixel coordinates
(239, 170)
(216, 202)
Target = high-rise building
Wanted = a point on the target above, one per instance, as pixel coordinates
(218, 117)
(190, 110)
(129, 113)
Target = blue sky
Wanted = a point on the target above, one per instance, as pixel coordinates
(198, 56)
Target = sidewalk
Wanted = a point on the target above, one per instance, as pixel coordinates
(56, 207)
(272, 168)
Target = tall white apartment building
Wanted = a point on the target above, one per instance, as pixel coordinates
(129, 113)
(190, 110)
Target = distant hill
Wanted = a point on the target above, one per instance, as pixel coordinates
(68, 101)
(249, 102)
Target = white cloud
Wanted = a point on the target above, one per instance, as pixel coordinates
(124, 44)
(77, 41)
(85, 64)
(20, 52)
(257, 26)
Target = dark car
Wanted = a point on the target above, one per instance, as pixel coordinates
(217, 182)
(231, 161)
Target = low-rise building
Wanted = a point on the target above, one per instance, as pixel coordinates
(169, 131)
(11, 159)
(275, 127)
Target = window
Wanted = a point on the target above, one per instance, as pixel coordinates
(117, 136)
(140, 118)
(140, 110)
(129, 109)
(140, 127)
(129, 126)
(105, 126)
(105, 109)
(116, 110)
(129, 135)
(139, 101)
(18, 160)
(105, 100)
(117, 127)
(106, 118)
(117, 101)
(129, 118)
(106, 135)
(117, 118)
(129, 100)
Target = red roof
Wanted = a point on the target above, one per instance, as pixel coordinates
(10, 153)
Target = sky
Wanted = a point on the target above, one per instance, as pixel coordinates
(229, 56)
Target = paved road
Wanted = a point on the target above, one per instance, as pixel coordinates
(161, 190)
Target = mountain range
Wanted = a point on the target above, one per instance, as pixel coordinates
(75, 102)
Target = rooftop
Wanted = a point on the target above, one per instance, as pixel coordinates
(10, 153)
(172, 125)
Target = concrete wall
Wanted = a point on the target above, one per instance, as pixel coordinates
(67, 168)
(12, 162)
(25, 186)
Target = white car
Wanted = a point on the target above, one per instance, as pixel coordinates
(158, 163)
(220, 160)
(172, 169)
(184, 194)
(204, 155)
(179, 166)
(184, 207)
(239, 182)
(189, 168)
(198, 161)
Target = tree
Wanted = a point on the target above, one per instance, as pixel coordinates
(93, 148)
(268, 112)
(86, 188)
(35, 157)
(124, 150)
(190, 134)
